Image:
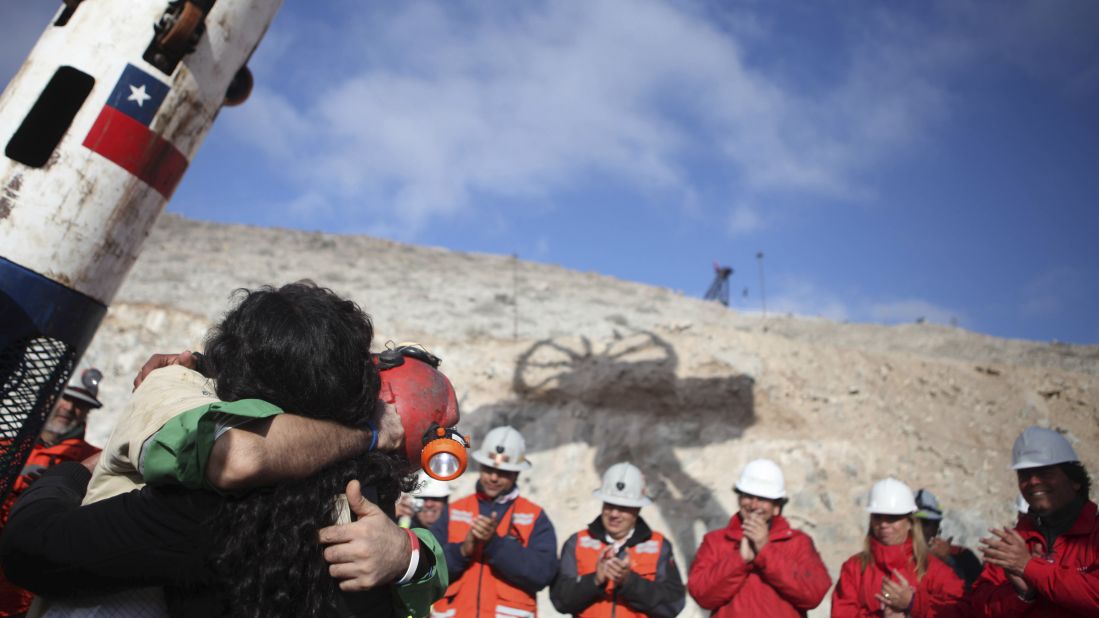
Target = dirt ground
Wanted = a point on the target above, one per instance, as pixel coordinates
(594, 370)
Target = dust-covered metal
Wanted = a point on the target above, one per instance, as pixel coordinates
(80, 218)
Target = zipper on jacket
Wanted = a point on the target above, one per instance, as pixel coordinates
(480, 577)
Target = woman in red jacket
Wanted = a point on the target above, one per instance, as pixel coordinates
(893, 576)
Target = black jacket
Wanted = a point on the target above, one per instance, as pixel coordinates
(156, 536)
(153, 537)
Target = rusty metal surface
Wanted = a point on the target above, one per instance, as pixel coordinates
(80, 219)
(10, 195)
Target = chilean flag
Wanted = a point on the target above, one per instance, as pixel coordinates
(121, 132)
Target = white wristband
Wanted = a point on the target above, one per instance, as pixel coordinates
(413, 562)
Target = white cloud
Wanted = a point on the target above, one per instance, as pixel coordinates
(800, 296)
(1052, 40)
(1050, 293)
(437, 107)
(542, 247)
(744, 220)
(308, 205)
(913, 309)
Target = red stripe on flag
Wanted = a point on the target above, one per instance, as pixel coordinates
(137, 150)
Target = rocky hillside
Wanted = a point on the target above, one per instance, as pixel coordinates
(595, 370)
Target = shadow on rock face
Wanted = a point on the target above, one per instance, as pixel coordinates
(625, 399)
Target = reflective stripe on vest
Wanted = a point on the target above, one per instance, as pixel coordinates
(44, 457)
(479, 592)
(644, 561)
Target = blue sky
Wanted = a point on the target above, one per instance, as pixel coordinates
(892, 160)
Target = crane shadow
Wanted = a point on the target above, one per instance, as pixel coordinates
(623, 397)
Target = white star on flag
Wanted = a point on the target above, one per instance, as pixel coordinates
(138, 94)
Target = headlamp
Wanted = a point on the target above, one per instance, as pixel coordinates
(443, 455)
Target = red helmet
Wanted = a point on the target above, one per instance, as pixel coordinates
(425, 401)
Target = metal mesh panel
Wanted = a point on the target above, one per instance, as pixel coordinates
(32, 374)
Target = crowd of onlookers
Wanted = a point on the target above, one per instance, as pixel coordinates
(269, 477)
(758, 565)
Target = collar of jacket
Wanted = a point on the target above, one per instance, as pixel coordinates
(641, 531)
(780, 528)
(890, 557)
(501, 499)
(1085, 522)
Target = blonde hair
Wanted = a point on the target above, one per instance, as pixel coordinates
(919, 547)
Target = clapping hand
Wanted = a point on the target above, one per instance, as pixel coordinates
(896, 595)
(756, 533)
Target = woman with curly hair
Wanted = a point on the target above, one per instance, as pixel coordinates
(301, 348)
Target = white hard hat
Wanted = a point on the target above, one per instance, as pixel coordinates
(763, 478)
(427, 487)
(504, 449)
(928, 506)
(623, 485)
(891, 497)
(1021, 504)
(1037, 447)
(85, 388)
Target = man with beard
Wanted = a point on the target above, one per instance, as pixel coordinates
(618, 567)
(62, 439)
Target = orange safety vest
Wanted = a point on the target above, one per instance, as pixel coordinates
(72, 449)
(13, 599)
(480, 592)
(644, 560)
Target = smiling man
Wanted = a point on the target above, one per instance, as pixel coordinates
(500, 547)
(758, 565)
(1048, 565)
(619, 566)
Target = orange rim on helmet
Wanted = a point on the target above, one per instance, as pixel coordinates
(444, 456)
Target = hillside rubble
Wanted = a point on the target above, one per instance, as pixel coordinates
(604, 370)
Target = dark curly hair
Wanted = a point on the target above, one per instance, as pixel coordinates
(300, 347)
(306, 350)
(269, 560)
(1077, 473)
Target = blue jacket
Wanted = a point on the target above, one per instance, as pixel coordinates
(530, 568)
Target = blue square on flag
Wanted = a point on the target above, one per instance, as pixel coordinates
(138, 94)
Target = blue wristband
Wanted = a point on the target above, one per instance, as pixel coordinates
(373, 437)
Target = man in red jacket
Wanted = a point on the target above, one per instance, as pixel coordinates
(758, 565)
(1048, 565)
